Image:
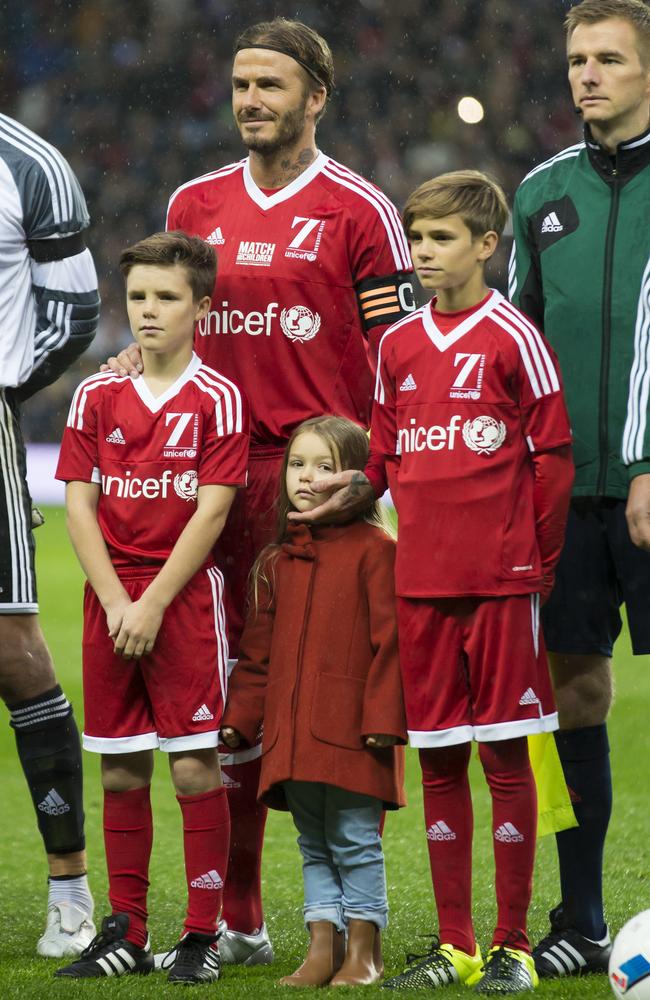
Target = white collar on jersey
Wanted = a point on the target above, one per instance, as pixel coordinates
(155, 403)
(445, 340)
(282, 194)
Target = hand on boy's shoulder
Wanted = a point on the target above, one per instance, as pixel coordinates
(351, 492)
(128, 362)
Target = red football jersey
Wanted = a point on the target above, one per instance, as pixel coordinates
(463, 408)
(307, 276)
(151, 453)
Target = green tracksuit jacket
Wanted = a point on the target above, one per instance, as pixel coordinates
(580, 268)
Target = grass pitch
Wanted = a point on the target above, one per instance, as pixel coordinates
(23, 869)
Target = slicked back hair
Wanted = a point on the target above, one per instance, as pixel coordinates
(298, 41)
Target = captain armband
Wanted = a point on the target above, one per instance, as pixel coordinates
(57, 248)
(385, 300)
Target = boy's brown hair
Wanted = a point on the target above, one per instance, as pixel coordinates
(474, 196)
(166, 249)
(637, 12)
(300, 42)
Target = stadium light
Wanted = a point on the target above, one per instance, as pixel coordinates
(470, 110)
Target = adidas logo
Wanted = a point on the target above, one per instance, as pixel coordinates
(408, 385)
(529, 698)
(211, 880)
(116, 437)
(202, 714)
(53, 804)
(507, 833)
(215, 238)
(440, 831)
(552, 224)
(229, 782)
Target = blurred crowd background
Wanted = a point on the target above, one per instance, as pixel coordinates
(136, 93)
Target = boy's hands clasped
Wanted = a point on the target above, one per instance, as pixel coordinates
(134, 626)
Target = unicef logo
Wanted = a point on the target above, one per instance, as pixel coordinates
(299, 323)
(484, 434)
(186, 484)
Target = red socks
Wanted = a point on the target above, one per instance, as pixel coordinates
(514, 828)
(128, 835)
(206, 836)
(449, 822)
(242, 903)
(448, 816)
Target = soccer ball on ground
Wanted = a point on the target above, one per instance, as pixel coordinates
(629, 963)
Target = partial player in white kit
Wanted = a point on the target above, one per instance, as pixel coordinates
(313, 267)
(49, 308)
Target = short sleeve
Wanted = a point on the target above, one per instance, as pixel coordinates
(226, 436)
(79, 456)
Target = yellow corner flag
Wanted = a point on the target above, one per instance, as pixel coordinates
(554, 809)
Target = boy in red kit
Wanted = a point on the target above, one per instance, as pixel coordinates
(468, 401)
(152, 468)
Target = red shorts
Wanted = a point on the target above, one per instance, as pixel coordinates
(250, 526)
(171, 699)
(473, 669)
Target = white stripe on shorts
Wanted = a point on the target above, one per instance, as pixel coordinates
(23, 590)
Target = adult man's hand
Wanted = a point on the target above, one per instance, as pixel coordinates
(128, 362)
(351, 493)
(637, 511)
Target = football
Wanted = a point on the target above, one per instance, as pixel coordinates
(629, 963)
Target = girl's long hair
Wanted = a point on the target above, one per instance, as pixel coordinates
(349, 446)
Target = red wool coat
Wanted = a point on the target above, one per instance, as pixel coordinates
(319, 667)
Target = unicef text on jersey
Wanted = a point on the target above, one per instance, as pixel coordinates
(297, 323)
(483, 435)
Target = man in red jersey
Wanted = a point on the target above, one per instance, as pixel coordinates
(313, 266)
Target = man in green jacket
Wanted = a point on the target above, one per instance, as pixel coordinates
(581, 269)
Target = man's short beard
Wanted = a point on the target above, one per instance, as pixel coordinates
(291, 125)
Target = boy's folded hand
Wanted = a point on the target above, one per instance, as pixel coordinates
(139, 629)
(115, 615)
(230, 737)
(376, 741)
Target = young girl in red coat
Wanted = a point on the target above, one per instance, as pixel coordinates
(319, 669)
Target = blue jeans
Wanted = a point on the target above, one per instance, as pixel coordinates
(342, 856)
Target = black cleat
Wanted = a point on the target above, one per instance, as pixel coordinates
(110, 954)
(195, 959)
(567, 952)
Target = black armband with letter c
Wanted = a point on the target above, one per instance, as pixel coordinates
(385, 300)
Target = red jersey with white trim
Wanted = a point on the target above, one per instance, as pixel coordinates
(151, 453)
(465, 400)
(308, 277)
